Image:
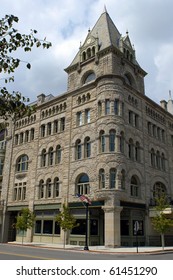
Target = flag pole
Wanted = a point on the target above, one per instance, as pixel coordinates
(86, 233)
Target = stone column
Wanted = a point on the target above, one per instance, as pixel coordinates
(112, 226)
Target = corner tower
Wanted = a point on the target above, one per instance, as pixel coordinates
(105, 52)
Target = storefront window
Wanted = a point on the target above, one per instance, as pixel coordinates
(124, 227)
(93, 227)
(47, 227)
(38, 226)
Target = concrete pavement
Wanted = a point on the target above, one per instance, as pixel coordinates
(101, 249)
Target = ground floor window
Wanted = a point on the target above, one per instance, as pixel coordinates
(80, 229)
(45, 223)
(124, 227)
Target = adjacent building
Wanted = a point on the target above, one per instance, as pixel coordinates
(103, 138)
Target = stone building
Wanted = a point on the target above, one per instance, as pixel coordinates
(103, 138)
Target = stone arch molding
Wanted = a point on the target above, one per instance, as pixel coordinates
(79, 171)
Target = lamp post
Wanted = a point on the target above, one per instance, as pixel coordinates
(86, 233)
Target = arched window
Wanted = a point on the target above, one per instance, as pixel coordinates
(112, 140)
(107, 106)
(101, 178)
(88, 53)
(102, 141)
(87, 147)
(43, 158)
(93, 51)
(58, 154)
(43, 130)
(116, 107)
(137, 152)
(78, 149)
(83, 186)
(159, 190)
(84, 56)
(163, 167)
(134, 186)
(22, 163)
(122, 142)
(50, 156)
(56, 187)
(41, 189)
(112, 178)
(91, 77)
(48, 188)
(123, 179)
(99, 108)
(131, 155)
(16, 139)
(152, 158)
(158, 159)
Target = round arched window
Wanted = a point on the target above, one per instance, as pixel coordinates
(90, 77)
(83, 184)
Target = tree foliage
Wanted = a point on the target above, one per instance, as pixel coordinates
(14, 104)
(160, 222)
(66, 221)
(25, 220)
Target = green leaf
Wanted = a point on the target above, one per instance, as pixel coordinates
(28, 66)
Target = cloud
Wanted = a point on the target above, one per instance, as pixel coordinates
(65, 23)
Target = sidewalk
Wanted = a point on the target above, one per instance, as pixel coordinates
(101, 249)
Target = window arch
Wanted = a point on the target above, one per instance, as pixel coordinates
(89, 78)
(22, 163)
(83, 186)
(134, 186)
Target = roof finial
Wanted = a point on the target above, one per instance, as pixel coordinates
(170, 96)
(105, 10)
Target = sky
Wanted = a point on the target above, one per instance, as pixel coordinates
(65, 24)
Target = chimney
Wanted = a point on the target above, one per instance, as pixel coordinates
(163, 104)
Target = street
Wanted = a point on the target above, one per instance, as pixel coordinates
(19, 252)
